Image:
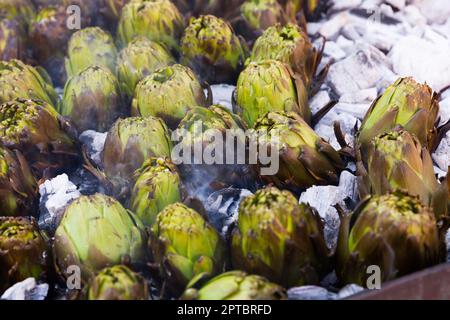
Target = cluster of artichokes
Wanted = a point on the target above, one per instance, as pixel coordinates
(138, 70)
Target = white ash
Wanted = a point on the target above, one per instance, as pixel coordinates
(349, 290)
(444, 110)
(310, 293)
(427, 62)
(320, 100)
(94, 142)
(222, 208)
(347, 122)
(222, 94)
(436, 11)
(442, 154)
(27, 289)
(323, 199)
(55, 194)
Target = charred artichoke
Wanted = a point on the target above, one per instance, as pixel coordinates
(184, 246)
(270, 85)
(157, 185)
(90, 47)
(92, 99)
(210, 47)
(235, 285)
(288, 44)
(168, 93)
(97, 232)
(207, 128)
(21, 10)
(279, 239)
(138, 60)
(397, 160)
(49, 37)
(117, 283)
(18, 188)
(44, 137)
(158, 20)
(395, 232)
(406, 103)
(128, 144)
(18, 80)
(23, 251)
(305, 158)
(13, 44)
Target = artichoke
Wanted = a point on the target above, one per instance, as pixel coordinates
(138, 60)
(311, 8)
(97, 232)
(157, 185)
(406, 103)
(128, 144)
(158, 20)
(112, 10)
(219, 8)
(117, 283)
(18, 80)
(168, 93)
(44, 137)
(270, 85)
(23, 251)
(90, 47)
(12, 40)
(397, 160)
(305, 158)
(210, 47)
(255, 16)
(184, 246)
(201, 127)
(288, 44)
(49, 37)
(395, 232)
(279, 239)
(18, 188)
(92, 99)
(235, 285)
(21, 10)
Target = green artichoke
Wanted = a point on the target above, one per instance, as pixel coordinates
(18, 80)
(279, 239)
(168, 93)
(158, 20)
(97, 232)
(184, 246)
(44, 137)
(23, 251)
(112, 10)
(117, 283)
(270, 85)
(18, 188)
(22, 10)
(138, 60)
(12, 40)
(200, 127)
(257, 15)
(128, 144)
(157, 185)
(49, 37)
(397, 160)
(235, 285)
(210, 47)
(406, 103)
(395, 232)
(305, 158)
(90, 47)
(291, 45)
(93, 100)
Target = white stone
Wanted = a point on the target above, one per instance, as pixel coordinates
(442, 154)
(363, 96)
(436, 11)
(320, 100)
